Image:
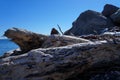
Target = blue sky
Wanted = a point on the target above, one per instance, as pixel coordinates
(42, 15)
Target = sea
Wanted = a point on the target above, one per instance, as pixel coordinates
(6, 45)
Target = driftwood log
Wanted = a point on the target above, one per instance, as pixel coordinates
(83, 61)
(27, 40)
(67, 58)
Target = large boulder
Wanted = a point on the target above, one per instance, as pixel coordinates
(109, 10)
(89, 22)
(116, 17)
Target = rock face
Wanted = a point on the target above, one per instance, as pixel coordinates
(116, 17)
(83, 61)
(89, 22)
(109, 10)
(28, 40)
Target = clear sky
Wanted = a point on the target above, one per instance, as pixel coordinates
(42, 15)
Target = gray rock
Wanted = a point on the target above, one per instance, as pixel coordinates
(109, 10)
(89, 22)
(54, 31)
(116, 17)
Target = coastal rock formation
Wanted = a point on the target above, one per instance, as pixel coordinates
(109, 10)
(83, 61)
(27, 40)
(89, 22)
(116, 17)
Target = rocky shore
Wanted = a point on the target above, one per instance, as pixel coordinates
(89, 50)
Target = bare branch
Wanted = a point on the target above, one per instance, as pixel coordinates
(60, 29)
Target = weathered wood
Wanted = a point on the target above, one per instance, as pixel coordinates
(80, 61)
(28, 40)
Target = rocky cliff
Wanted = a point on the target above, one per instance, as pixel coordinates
(92, 22)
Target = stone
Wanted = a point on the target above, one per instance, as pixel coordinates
(82, 61)
(109, 10)
(54, 31)
(89, 22)
(116, 17)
